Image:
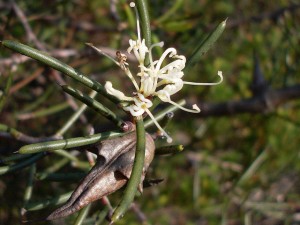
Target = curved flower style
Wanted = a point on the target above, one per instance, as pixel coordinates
(155, 79)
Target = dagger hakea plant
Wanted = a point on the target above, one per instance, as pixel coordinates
(155, 79)
(116, 158)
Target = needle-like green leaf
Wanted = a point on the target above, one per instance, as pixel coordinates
(206, 44)
(58, 65)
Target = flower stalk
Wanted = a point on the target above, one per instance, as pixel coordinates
(137, 170)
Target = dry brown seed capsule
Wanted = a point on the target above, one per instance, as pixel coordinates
(115, 158)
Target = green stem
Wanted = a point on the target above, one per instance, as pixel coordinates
(58, 65)
(40, 100)
(75, 116)
(253, 167)
(82, 215)
(5, 93)
(28, 190)
(13, 158)
(44, 112)
(101, 216)
(56, 166)
(136, 174)
(66, 154)
(27, 162)
(142, 7)
(19, 135)
(169, 14)
(32, 206)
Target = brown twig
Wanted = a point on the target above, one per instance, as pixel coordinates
(26, 80)
(264, 103)
(138, 212)
(26, 138)
(30, 35)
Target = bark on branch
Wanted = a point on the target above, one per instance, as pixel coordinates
(266, 102)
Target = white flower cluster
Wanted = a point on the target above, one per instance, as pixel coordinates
(155, 79)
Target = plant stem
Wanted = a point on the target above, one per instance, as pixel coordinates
(33, 206)
(25, 163)
(82, 215)
(67, 143)
(94, 104)
(142, 7)
(136, 174)
(75, 116)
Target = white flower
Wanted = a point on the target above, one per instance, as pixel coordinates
(112, 91)
(155, 79)
(139, 49)
(140, 106)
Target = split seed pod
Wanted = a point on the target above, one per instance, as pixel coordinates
(115, 158)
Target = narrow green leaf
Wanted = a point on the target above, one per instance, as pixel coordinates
(207, 43)
(5, 93)
(44, 112)
(169, 14)
(142, 6)
(74, 117)
(20, 165)
(58, 65)
(67, 143)
(171, 149)
(14, 157)
(33, 206)
(29, 188)
(94, 104)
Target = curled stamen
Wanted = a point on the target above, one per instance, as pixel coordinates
(171, 51)
(120, 95)
(216, 83)
(159, 44)
(164, 96)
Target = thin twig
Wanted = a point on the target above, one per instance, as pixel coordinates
(30, 35)
(267, 102)
(26, 80)
(6, 131)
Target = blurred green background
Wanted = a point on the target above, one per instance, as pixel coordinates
(237, 169)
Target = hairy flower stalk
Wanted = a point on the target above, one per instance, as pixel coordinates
(155, 79)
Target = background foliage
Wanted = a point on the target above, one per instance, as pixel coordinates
(239, 169)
